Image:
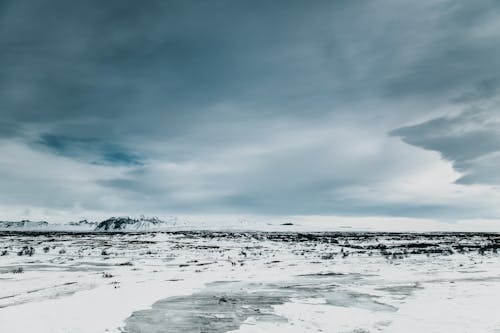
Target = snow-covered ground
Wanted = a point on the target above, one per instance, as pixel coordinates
(209, 281)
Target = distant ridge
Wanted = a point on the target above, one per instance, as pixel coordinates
(84, 223)
(111, 224)
(24, 224)
(130, 224)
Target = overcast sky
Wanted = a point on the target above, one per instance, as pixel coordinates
(345, 108)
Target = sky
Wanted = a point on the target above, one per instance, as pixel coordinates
(267, 108)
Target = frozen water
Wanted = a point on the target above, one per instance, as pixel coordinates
(214, 281)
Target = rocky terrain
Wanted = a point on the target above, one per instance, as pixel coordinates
(111, 224)
(25, 224)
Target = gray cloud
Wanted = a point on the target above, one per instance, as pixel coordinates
(484, 170)
(485, 89)
(90, 149)
(471, 140)
(79, 66)
(459, 49)
(247, 106)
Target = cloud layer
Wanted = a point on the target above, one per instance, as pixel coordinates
(366, 108)
(471, 140)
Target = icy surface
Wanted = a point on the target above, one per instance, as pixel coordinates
(209, 281)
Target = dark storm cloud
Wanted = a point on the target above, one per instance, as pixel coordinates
(220, 104)
(69, 62)
(73, 64)
(459, 51)
(485, 89)
(471, 140)
(8, 129)
(91, 149)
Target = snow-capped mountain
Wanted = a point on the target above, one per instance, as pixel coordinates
(130, 224)
(24, 224)
(111, 224)
(84, 223)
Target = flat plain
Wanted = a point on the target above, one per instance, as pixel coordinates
(217, 281)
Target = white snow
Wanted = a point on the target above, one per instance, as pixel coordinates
(65, 289)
